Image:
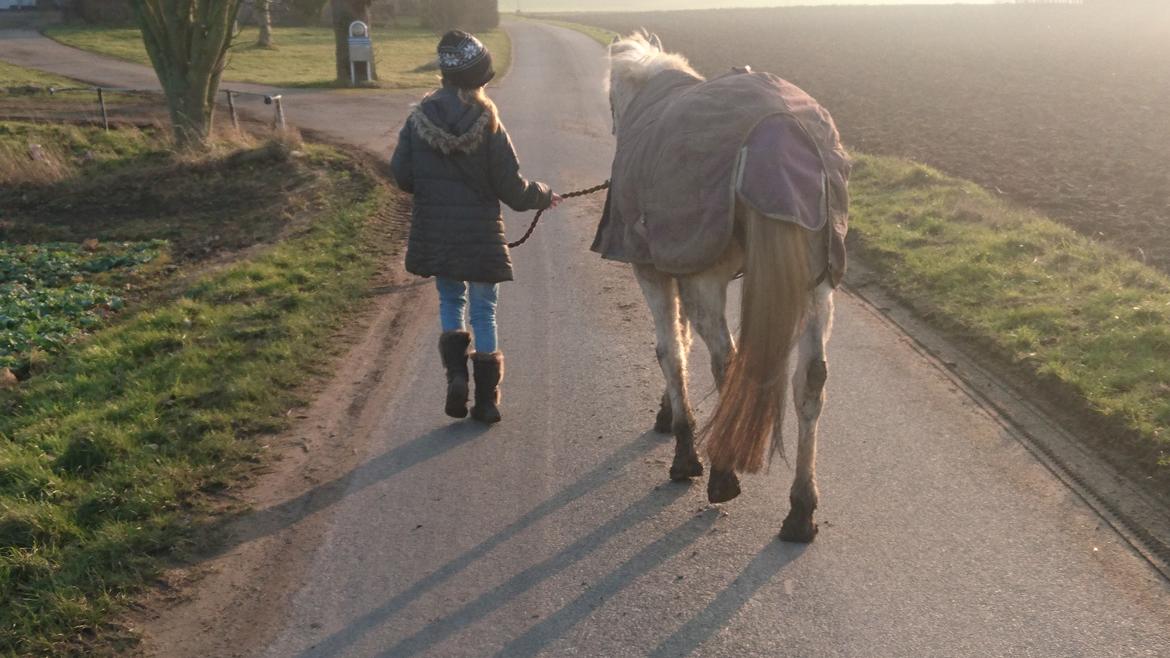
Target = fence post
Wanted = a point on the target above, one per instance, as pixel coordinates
(279, 121)
(231, 98)
(102, 104)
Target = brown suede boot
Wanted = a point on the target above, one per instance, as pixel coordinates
(453, 350)
(489, 372)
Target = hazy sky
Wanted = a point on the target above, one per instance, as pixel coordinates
(651, 5)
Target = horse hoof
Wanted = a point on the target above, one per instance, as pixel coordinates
(801, 531)
(685, 468)
(722, 487)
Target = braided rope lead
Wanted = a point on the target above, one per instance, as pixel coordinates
(536, 220)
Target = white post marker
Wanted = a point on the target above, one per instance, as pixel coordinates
(360, 50)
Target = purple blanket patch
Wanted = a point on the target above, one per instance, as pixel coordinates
(781, 174)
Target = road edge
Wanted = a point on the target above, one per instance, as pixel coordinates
(1136, 515)
(232, 601)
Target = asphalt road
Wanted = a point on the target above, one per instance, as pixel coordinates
(557, 532)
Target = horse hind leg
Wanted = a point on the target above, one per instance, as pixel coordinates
(661, 293)
(704, 302)
(808, 390)
(704, 296)
(665, 418)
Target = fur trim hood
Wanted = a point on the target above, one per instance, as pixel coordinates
(462, 134)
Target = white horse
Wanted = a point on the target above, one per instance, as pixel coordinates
(784, 307)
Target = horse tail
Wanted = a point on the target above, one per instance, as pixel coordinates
(775, 300)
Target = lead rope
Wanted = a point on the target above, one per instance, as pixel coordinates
(570, 195)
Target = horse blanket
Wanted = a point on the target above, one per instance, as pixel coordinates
(687, 149)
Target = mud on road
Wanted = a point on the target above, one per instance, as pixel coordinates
(1063, 109)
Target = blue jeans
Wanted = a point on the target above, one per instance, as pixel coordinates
(453, 302)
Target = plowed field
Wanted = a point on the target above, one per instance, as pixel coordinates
(1065, 109)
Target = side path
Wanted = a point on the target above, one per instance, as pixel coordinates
(367, 119)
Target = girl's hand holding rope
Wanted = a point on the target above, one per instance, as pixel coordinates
(556, 201)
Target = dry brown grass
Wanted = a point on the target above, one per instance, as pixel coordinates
(33, 163)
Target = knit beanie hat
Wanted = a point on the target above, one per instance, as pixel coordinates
(464, 60)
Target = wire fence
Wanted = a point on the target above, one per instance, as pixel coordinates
(105, 95)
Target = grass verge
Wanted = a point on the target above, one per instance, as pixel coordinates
(109, 451)
(17, 76)
(35, 158)
(301, 57)
(50, 293)
(1077, 315)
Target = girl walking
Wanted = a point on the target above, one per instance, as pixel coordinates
(457, 160)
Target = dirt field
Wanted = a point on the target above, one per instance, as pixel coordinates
(1064, 109)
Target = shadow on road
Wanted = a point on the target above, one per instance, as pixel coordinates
(653, 502)
(537, 638)
(435, 632)
(771, 560)
(249, 527)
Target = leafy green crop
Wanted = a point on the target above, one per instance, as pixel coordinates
(49, 293)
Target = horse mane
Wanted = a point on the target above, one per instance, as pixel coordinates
(635, 60)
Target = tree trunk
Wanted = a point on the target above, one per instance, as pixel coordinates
(441, 15)
(483, 14)
(344, 13)
(264, 7)
(187, 41)
(473, 15)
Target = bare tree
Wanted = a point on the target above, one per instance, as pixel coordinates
(264, 19)
(442, 15)
(475, 15)
(188, 41)
(483, 14)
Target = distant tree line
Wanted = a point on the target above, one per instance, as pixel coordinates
(100, 12)
(439, 15)
(471, 15)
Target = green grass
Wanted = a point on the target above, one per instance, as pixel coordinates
(302, 56)
(1070, 310)
(25, 92)
(51, 293)
(16, 76)
(109, 449)
(46, 153)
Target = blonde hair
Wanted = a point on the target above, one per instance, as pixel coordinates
(478, 96)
